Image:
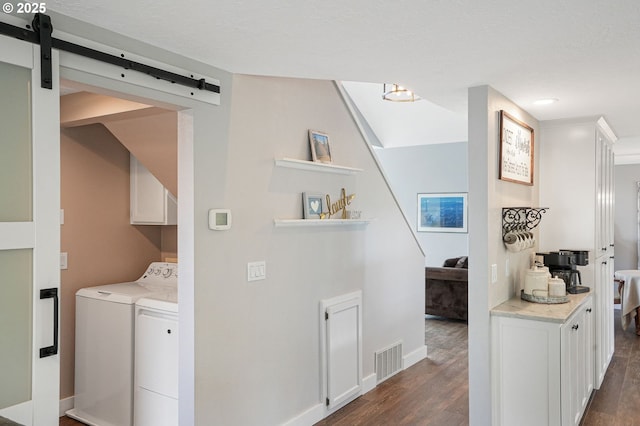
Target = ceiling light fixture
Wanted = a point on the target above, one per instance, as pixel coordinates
(397, 93)
(546, 101)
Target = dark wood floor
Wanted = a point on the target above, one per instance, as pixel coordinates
(435, 391)
(617, 402)
(67, 421)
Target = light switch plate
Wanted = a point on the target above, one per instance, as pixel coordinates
(494, 273)
(63, 260)
(256, 270)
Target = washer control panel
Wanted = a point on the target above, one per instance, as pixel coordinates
(161, 273)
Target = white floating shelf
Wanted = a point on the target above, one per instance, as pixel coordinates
(292, 163)
(319, 222)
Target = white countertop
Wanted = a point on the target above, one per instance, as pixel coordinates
(558, 313)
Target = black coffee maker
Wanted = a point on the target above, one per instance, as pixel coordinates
(563, 264)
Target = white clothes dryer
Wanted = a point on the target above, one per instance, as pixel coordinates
(156, 360)
(104, 357)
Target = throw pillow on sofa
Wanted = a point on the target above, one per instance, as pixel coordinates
(457, 262)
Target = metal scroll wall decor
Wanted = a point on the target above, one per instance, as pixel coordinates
(517, 226)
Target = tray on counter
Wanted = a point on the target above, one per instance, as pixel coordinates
(547, 300)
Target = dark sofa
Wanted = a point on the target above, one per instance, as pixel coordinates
(446, 293)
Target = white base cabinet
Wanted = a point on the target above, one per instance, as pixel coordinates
(542, 369)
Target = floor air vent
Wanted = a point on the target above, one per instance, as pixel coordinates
(388, 362)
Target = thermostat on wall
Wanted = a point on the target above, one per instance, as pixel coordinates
(219, 219)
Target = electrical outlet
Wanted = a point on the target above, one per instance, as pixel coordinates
(63, 260)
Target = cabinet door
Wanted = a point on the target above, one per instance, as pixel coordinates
(570, 357)
(576, 366)
(601, 196)
(587, 349)
(527, 373)
(600, 329)
(151, 202)
(612, 200)
(603, 318)
(604, 194)
(610, 315)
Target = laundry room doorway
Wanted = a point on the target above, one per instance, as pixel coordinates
(118, 198)
(116, 141)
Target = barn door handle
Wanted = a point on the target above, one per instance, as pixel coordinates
(51, 293)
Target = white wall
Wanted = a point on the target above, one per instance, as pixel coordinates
(488, 195)
(257, 344)
(429, 169)
(626, 220)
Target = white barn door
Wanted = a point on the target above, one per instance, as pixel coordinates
(29, 236)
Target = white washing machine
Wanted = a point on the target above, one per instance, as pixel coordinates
(104, 362)
(156, 360)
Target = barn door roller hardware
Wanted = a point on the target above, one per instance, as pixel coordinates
(41, 35)
(42, 27)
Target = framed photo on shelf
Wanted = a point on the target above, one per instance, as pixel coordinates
(516, 150)
(312, 205)
(320, 151)
(445, 212)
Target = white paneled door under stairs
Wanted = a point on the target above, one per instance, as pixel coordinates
(341, 331)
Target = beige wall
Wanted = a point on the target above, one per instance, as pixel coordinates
(102, 246)
(153, 140)
(169, 242)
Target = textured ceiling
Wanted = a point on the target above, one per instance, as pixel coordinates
(586, 53)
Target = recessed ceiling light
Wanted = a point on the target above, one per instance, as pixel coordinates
(546, 101)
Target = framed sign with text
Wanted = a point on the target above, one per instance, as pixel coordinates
(516, 150)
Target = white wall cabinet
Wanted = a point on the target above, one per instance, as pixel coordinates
(542, 367)
(151, 202)
(577, 184)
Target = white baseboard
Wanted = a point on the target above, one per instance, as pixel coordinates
(414, 357)
(66, 404)
(369, 383)
(312, 416)
(319, 411)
